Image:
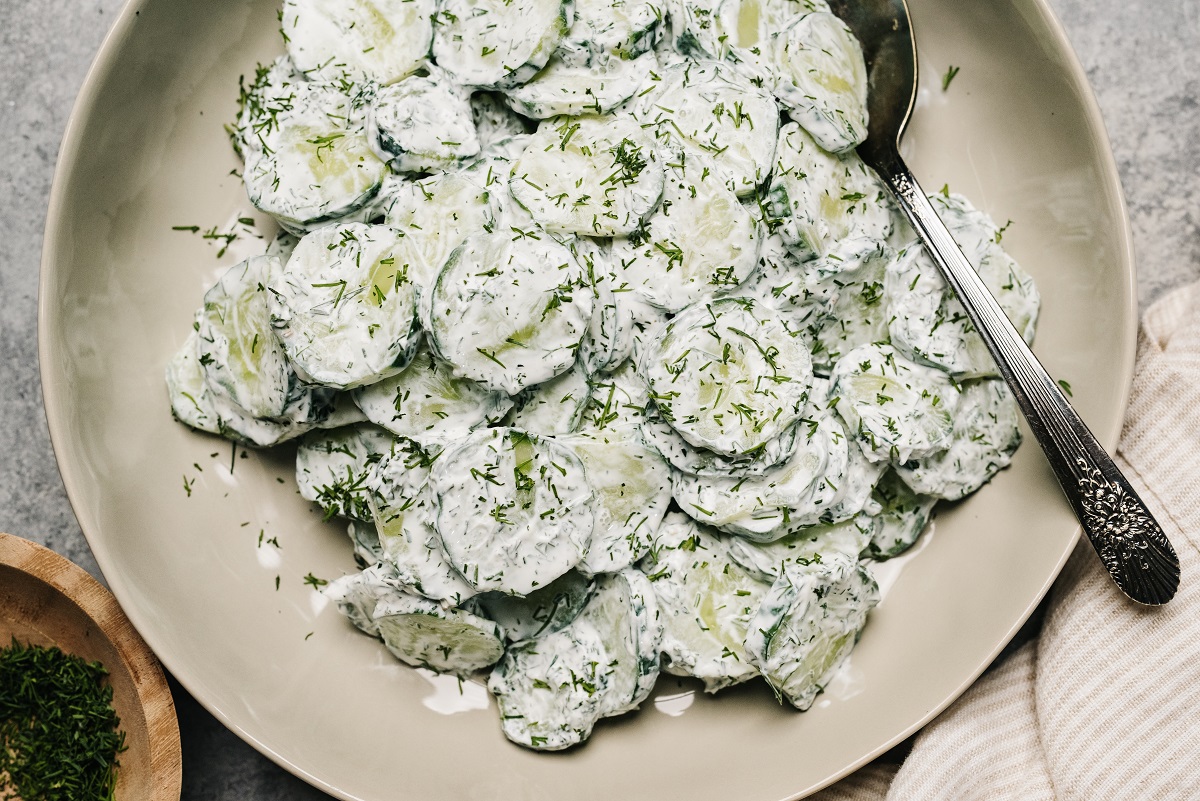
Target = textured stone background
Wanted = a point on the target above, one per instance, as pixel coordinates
(1143, 60)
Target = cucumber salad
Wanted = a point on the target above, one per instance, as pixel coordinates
(612, 354)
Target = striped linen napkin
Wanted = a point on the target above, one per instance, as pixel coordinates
(1104, 703)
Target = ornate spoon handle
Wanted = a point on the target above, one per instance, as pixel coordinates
(1130, 542)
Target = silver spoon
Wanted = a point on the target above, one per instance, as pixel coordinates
(1126, 536)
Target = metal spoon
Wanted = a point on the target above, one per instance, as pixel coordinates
(1126, 536)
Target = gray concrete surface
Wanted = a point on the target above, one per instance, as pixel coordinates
(1143, 59)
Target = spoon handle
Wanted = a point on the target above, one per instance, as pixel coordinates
(1128, 539)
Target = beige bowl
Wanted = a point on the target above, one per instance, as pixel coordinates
(47, 600)
(1018, 132)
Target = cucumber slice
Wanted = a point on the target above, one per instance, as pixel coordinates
(611, 333)
(377, 40)
(818, 199)
(632, 486)
(701, 242)
(624, 610)
(728, 376)
(544, 611)
(902, 518)
(345, 307)
(515, 511)
(332, 468)
(358, 594)
(364, 538)
(853, 494)
(928, 323)
(791, 496)
(495, 121)
(282, 246)
(422, 633)
(588, 175)
(986, 434)
(242, 358)
(745, 27)
(617, 401)
(705, 602)
(607, 31)
(437, 213)
(574, 89)
(498, 44)
(423, 124)
(509, 312)
(308, 160)
(403, 510)
(708, 106)
(259, 432)
(821, 79)
(191, 401)
(428, 403)
(687, 458)
(807, 546)
(554, 407)
(550, 690)
(693, 32)
(849, 283)
(807, 624)
(896, 409)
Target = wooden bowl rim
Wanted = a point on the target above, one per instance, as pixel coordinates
(137, 660)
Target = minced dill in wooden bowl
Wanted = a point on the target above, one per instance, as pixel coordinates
(59, 735)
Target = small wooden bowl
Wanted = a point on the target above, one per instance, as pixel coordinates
(46, 600)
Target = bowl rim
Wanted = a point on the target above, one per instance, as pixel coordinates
(102, 610)
(52, 394)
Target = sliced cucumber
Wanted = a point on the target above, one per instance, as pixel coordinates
(191, 401)
(821, 79)
(807, 546)
(423, 124)
(423, 633)
(818, 199)
(551, 689)
(403, 510)
(745, 27)
(428, 403)
(791, 496)
(345, 307)
(708, 106)
(494, 120)
(928, 322)
(242, 358)
(437, 213)
(544, 611)
(728, 376)
(699, 243)
(808, 623)
(379, 40)
(589, 175)
(610, 337)
(632, 486)
(705, 602)
(986, 434)
(687, 458)
(308, 160)
(849, 283)
(498, 44)
(554, 407)
(853, 494)
(364, 538)
(607, 31)
(357, 594)
(515, 511)
(282, 245)
(624, 610)
(617, 401)
(332, 468)
(510, 312)
(896, 409)
(562, 88)
(902, 518)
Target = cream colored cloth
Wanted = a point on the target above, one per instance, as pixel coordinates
(1105, 702)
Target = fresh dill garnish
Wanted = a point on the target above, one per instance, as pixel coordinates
(948, 77)
(59, 733)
